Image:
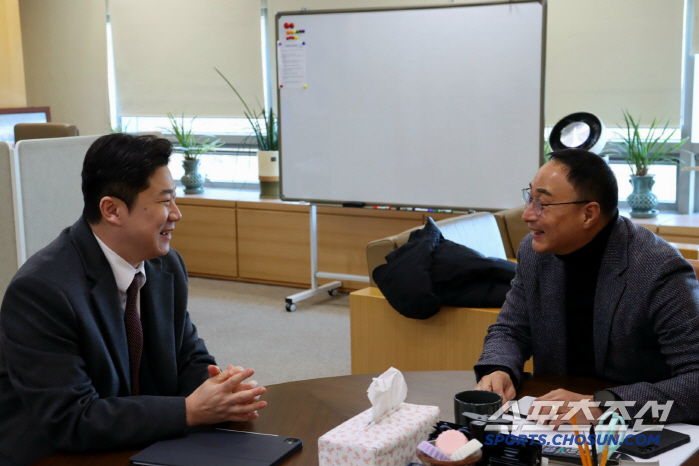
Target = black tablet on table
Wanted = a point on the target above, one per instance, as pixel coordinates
(219, 447)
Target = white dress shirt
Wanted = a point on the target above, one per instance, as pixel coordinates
(123, 273)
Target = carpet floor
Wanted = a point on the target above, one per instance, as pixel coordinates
(247, 325)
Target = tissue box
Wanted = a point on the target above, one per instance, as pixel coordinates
(390, 441)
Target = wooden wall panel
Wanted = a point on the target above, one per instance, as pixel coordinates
(12, 86)
(206, 239)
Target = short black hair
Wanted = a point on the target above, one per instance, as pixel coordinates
(591, 178)
(120, 165)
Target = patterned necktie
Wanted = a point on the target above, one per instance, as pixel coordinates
(134, 331)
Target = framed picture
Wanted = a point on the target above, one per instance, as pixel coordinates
(9, 117)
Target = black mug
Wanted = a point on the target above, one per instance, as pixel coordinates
(477, 402)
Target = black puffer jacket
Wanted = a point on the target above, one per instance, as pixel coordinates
(429, 272)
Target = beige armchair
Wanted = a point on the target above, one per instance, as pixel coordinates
(450, 340)
(478, 231)
(512, 229)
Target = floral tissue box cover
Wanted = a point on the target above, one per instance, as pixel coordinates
(390, 441)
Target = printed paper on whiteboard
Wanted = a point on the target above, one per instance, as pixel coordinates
(292, 65)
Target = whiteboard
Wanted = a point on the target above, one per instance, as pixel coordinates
(431, 107)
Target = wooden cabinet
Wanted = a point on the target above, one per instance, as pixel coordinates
(680, 229)
(235, 235)
(273, 245)
(206, 237)
(343, 235)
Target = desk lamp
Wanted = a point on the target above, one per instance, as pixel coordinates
(579, 130)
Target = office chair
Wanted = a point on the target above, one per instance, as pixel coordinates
(43, 131)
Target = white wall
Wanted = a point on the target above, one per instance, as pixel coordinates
(65, 60)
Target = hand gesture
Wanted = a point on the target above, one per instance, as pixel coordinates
(584, 411)
(500, 383)
(224, 397)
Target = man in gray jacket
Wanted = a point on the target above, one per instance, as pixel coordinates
(596, 295)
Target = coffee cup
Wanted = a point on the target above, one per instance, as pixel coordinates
(479, 402)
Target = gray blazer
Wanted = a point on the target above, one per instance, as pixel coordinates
(646, 320)
(64, 363)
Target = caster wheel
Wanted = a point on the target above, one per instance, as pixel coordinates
(290, 307)
(333, 292)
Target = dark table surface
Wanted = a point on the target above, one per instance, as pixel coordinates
(309, 408)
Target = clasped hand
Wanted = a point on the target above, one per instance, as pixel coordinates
(224, 397)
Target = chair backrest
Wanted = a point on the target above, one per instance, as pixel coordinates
(8, 236)
(478, 231)
(43, 131)
(49, 193)
(512, 229)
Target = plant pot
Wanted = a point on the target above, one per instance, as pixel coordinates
(642, 200)
(191, 179)
(268, 165)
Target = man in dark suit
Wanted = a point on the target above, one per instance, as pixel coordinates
(97, 350)
(595, 295)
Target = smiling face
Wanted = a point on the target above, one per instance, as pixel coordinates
(560, 229)
(145, 230)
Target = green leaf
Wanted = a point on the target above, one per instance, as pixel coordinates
(266, 140)
(190, 146)
(640, 153)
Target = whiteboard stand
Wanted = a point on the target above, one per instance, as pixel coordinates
(330, 288)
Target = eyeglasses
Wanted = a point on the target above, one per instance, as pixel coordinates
(527, 198)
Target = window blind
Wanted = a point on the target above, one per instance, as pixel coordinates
(165, 52)
(601, 56)
(695, 26)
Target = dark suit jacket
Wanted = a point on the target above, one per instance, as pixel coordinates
(646, 321)
(429, 272)
(64, 365)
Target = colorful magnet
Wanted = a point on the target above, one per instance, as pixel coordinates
(304, 86)
(286, 25)
(281, 85)
(291, 25)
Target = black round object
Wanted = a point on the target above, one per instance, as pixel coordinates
(580, 130)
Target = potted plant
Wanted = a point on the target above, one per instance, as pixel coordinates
(267, 143)
(640, 153)
(192, 149)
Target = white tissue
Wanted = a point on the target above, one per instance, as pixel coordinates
(387, 392)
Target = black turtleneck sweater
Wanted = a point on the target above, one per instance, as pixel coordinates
(581, 273)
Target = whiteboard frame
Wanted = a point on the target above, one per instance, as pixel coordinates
(464, 208)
